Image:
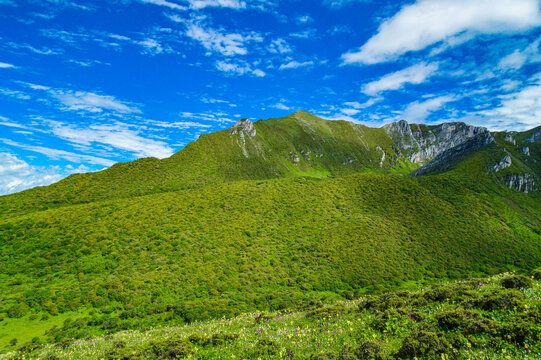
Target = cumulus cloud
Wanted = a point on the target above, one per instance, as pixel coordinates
(419, 111)
(4, 65)
(165, 3)
(118, 136)
(89, 101)
(304, 19)
(336, 4)
(520, 110)
(416, 74)
(427, 22)
(295, 64)
(238, 69)
(60, 154)
(279, 46)
(17, 175)
(227, 44)
(520, 57)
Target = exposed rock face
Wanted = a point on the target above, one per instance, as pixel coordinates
(502, 164)
(444, 158)
(521, 182)
(422, 145)
(534, 138)
(244, 126)
(509, 138)
(525, 150)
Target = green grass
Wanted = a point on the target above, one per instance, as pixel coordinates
(224, 250)
(487, 318)
(231, 225)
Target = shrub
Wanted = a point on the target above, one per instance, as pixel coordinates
(324, 356)
(263, 347)
(517, 282)
(536, 274)
(502, 299)
(13, 342)
(368, 350)
(327, 311)
(523, 326)
(423, 343)
(468, 321)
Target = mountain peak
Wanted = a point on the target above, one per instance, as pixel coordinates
(244, 126)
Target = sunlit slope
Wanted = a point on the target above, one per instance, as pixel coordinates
(246, 245)
(300, 144)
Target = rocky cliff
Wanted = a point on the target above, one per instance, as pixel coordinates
(422, 143)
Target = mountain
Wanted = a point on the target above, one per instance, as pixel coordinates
(300, 144)
(262, 216)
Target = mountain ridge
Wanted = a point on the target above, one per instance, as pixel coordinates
(300, 144)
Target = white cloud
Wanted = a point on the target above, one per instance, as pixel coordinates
(6, 66)
(520, 110)
(117, 135)
(281, 106)
(17, 175)
(367, 103)
(238, 69)
(419, 111)
(304, 34)
(179, 124)
(232, 4)
(14, 94)
(279, 46)
(88, 101)
(519, 58)
(336, 4)
(165, 3)
(295, 64)
(305, 19)
(349, 111)
(60, 154)
(427, 22)
(415, 74)
(84, 100)
(223, 43)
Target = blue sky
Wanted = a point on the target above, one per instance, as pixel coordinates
(85, 84)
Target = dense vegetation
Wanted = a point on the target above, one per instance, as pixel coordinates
(232, 224)
(224, 250)
(323, 148)
(494, 318)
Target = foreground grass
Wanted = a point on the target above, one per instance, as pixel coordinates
(492, 318)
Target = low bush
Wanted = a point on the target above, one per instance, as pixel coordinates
(423, 342)
(517, 282)
(502, 299)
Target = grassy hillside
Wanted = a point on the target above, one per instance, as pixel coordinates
(323, 148)
(494, 318)
(307, 209)
(221, 250)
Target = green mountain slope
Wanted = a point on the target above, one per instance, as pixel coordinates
(300, 144)
(490, 318)
(262, 216)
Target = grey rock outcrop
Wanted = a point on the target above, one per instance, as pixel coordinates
(423, 145)
(521, 182)
(502, 164)
(509, 137)
(244, 126)
(536, 137)
(442, 160)
(525, 150)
